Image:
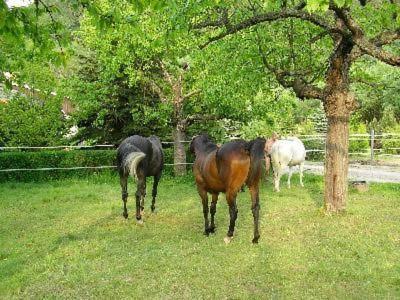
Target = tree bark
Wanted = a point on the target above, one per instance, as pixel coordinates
(179, 135)
(339, 103)
(336, 151)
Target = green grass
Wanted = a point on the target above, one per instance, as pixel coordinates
(67, 239)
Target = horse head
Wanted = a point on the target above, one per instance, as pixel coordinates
(269, 142)
(198, 140)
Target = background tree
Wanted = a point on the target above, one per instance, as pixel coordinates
(351, 36)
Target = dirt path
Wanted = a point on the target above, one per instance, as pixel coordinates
(361, 172)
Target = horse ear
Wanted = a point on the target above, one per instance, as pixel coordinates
(275, 136)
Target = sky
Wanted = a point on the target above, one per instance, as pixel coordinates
(15, 3)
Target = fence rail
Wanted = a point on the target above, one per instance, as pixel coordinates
(371, 138)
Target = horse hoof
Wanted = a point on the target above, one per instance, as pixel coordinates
(139, 222)
(228, 239)
(206, 233)
(125, 215)
(211, 230)
(255, 240)
(153, 210)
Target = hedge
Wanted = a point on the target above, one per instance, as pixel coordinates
(63, 159)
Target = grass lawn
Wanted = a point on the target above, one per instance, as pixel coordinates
(68, 239)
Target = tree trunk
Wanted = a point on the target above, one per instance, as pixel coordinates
(337, 151)
(179, 150)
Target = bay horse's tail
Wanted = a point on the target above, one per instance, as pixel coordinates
(256, 150)
(131, 162)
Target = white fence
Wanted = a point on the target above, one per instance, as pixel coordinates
(372, 139)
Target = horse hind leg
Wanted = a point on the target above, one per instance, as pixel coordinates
(154, 191)
(124, 192)
(140, 192)
(233, 212)
(301, 168)
(289, 176)
(213, 210)
(143, 196)
(255, 208)
(204, 201)
(277, 178)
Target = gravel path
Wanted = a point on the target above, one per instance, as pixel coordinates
(361, 172)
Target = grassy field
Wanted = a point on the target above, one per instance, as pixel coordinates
(67, 239)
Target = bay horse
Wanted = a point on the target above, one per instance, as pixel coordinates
(140, 157)
(226, 169)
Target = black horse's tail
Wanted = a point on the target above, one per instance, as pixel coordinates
(131, 162)
(256, 150)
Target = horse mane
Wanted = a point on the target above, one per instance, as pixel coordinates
(204, 141)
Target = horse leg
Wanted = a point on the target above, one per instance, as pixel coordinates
(123, 179)
(233, 211)
(213, 210)
(141, 185)
(154, 191)
(267, 166)
(289, 175)
(143, 195)
(255, 208)
(204, 201)
(301, 167)
(277, 178)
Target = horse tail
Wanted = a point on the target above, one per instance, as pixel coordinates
(256, 151)
(131, 162)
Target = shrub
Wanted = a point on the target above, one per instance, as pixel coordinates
(65, 159)
(358, 144)
(53, 159)
(390, 142)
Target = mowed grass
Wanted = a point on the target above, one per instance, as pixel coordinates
(68, 239)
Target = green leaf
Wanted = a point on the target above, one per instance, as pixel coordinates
(340, 3)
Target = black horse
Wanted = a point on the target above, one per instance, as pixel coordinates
(140, 157)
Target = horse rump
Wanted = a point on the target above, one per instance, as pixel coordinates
(130, 163)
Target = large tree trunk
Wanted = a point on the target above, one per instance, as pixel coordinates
(336, 151)
(339, 102)
(179, 150)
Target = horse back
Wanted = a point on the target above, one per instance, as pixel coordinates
(233, 162)
(288, 152)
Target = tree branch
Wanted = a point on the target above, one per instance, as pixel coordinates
(53, 21)
(370, 47)
(266, 17)
(191, 119)
(166, 74)
(192, 93)
(301, 88)
(156, 88)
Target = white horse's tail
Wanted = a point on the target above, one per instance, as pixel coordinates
(131, 162)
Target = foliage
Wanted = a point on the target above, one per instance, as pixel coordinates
(68, 239)
(53, 159)
(391, 143)
(31, 121)
(377, 87)
(66, 159)
(358, 144)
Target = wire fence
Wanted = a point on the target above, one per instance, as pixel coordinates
(372, 153)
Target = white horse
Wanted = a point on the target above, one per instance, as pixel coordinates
(287, 152)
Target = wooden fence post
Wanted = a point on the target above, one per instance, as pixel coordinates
(372, 137)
